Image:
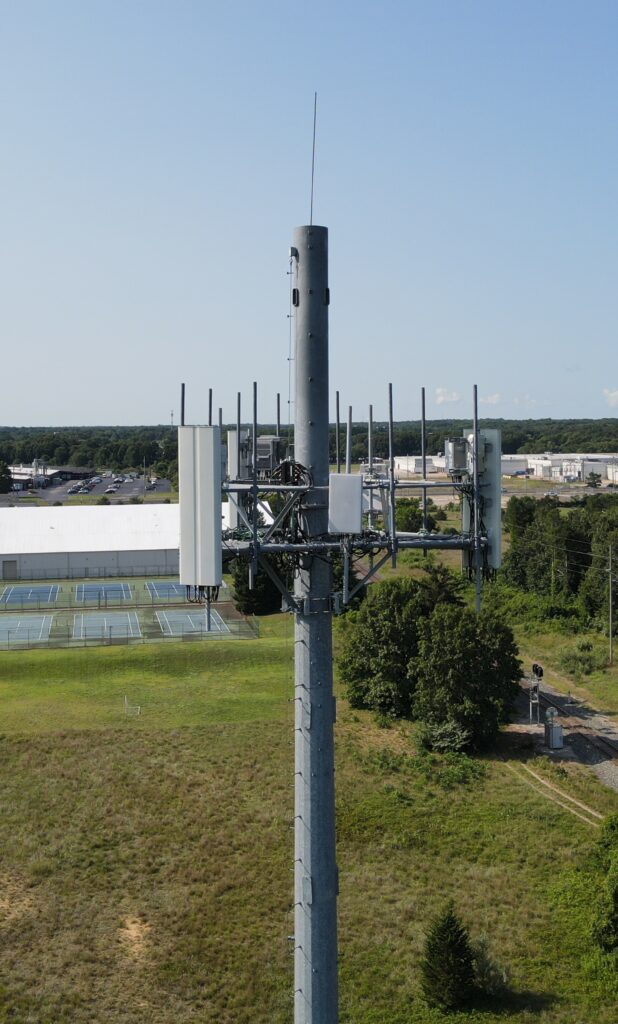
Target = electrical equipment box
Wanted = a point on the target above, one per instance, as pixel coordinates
(345, 503)
(199, 487)
(456, 456)
(269, 453)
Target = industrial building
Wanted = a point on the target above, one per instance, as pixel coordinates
(81, 541)
(75, 542)
(550, 466)
(39, 474)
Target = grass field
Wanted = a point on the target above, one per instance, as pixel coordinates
(145, 862)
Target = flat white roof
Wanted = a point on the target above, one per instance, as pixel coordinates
(50, 529)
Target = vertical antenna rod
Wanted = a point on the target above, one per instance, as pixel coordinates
(424, 457)
(315, 866)
(315, 112)
(348, 443)
(337, 437)
(182, 405)
(477, 509)
(254, 480)
(370, 462)
(391, 478)
(210, 407)
(278, 415)
(238, 435)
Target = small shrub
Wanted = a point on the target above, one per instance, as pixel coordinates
(582, 659)
(444, 737)
(448, 770)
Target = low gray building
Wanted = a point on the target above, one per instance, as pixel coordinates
(75, 542)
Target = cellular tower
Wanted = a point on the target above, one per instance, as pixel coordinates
(323, 516)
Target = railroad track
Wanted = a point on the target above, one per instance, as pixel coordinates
(575, 722)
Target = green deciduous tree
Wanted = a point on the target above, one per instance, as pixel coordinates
(263, 598)
(6, 482)
(380, 639)
(378, 642)
(447, 968)
(465, 673)
(409, 516)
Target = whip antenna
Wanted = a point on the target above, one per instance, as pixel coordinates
(315, 111)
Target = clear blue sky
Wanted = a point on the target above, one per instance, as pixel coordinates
(155, 157)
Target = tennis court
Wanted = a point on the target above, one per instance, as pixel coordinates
(33, 595)
(177, 623)
(25, 628)
(105, 625)
(103, 592)
(165, 591)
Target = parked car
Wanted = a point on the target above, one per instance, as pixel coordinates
(111, 489)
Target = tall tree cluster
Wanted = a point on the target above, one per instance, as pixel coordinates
(563, 553)
(414, 650)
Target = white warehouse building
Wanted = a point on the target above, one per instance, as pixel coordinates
(89, 540)
(76, 542)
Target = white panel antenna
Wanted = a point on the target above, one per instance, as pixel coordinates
(345, 503)
(491, 490)
(199, 485)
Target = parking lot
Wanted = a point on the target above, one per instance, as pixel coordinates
(125, 488)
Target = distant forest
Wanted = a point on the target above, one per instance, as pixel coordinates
(129, 447)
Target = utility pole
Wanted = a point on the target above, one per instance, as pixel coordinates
(315, 867)
(611, 610)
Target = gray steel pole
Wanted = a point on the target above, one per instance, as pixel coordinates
(337, 438)
(424, 455)
(238, 436)
(370, 465)
(611, 610)
(348, 443)
(315, 866)
(477, 509)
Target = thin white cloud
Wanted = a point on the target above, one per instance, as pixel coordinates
(491, 399)
(443, 396)
(611, 397)
(526, 400)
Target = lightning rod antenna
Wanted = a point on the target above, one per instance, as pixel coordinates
(315, 111)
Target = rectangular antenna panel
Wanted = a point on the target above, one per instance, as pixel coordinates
(490, 482)
(492, 494)
(232, 472)
(199, 486)
(345, 503)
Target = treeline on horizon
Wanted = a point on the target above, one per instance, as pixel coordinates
(129, 447)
